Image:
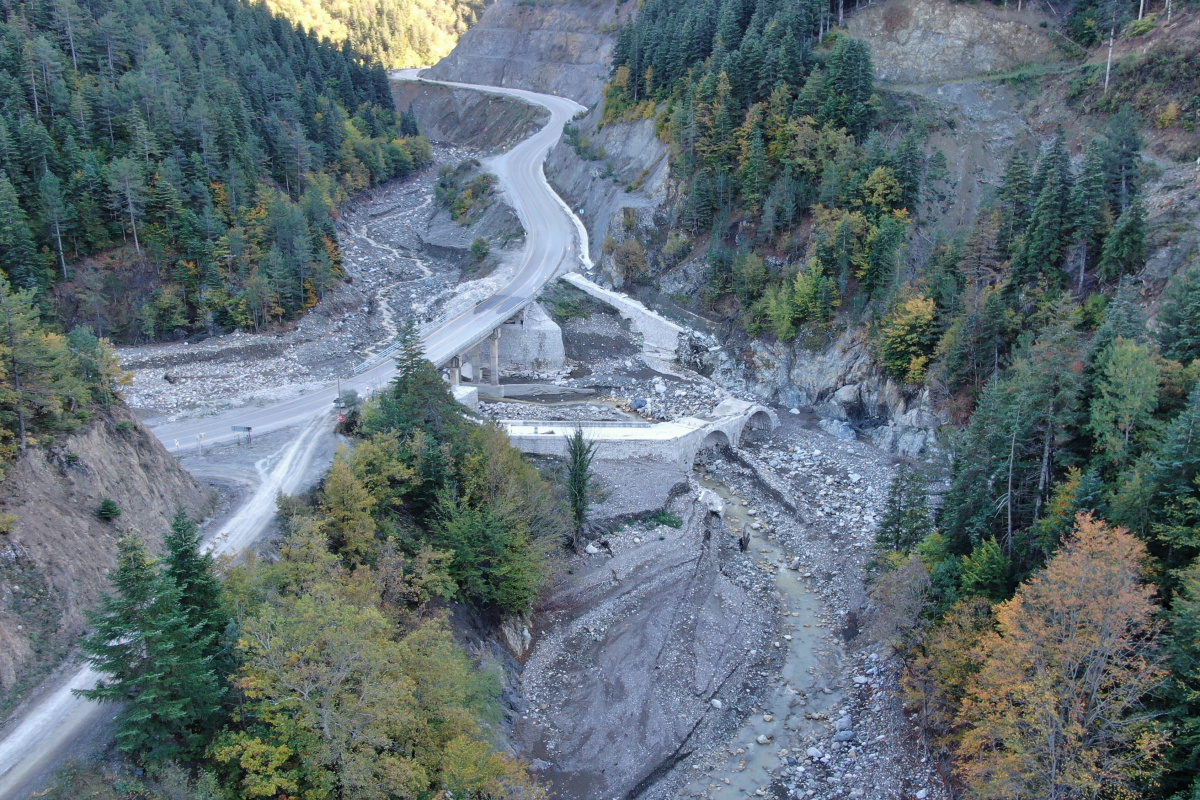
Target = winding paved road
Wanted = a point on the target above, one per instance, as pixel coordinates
(553, 236)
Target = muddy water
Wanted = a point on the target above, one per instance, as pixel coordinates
(744, 767)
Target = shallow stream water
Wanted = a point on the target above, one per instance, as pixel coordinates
(744, 768)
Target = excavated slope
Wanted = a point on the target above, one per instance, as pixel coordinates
(558, 46)
(927, 41)
(54, 561)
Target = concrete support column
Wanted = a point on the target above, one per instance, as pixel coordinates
(495, 342)
(477, 363)
(454, 365)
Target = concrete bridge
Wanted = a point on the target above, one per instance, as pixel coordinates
(678, 441)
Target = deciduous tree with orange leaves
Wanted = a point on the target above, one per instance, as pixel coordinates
(1055, 711)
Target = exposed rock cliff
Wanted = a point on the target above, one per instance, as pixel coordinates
(928, 41)
(841, 381)
(55, 558)
(602, 172)
(556, 46)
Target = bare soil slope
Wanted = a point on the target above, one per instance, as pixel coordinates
(55, 560)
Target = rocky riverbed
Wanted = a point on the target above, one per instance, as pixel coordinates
(620, 695)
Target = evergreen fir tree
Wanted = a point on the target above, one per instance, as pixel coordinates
(153, 661)
(200, 591)
(1179, 319)
(1088, 211)
(1123, 318)
(906, 520)
(908, 172)
(1174, 497)
(1015, 200)
(418, 399)
(1183, 699)
(1125, 245)
(1040, 255)
(18, 257)
(1123, 146)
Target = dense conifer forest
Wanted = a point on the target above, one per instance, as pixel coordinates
(168, 168)
(394, 33)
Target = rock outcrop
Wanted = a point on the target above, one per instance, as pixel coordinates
(928, 41)
(842, 383)
(607, 170)
(55, 557)
(465, 117)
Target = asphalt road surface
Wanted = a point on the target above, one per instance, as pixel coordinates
(556, 241)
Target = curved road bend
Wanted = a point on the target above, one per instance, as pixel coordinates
(553, 235)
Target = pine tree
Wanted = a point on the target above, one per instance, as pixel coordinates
(580, 453)
(908, 171)
(985, 572)
(1179, 319)
(1123, 146)
(906, 520)
(1040, 255)
(56, 212)
(153, 660)
(1123, 318)
(1171, 493)
(1088, 211)
(347, 506)
(32, 364)
(127, 183)
(1126, 395)
(418, 398)
(1183, 701)
(753, 176)
(1015, 200)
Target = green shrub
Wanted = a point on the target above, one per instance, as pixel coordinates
(665, 518)
(567, 308)
(108, 510)
(480, 248)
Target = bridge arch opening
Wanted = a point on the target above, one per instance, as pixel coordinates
(715, 440)
(714, 446)
(760, 421)
(758, 427)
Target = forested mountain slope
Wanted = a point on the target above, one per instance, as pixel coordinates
(173, 167)
(394, 33)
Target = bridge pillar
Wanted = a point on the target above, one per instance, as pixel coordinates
(477, 363)
(494, 340)
(454, 365)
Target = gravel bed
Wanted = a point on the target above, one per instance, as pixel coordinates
(821, 498)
